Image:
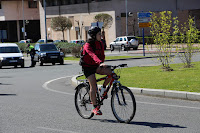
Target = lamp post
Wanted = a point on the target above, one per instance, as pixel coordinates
(45, 20)
(126, 18)
(23, 30)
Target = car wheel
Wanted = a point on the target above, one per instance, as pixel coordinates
(123, 48)
(53, 63)
(15, 66)
(0, 65)
(135, 48)
(111, 48)
(22, 65)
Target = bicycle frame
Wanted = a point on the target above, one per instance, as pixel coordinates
(108, 88)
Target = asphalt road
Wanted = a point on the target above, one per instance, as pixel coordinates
(41, 100)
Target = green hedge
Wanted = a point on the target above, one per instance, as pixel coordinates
(23, 46)
(69, 48)
(149, 39)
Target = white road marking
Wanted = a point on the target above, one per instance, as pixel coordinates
(57, 130)
(170, 105)
(158, 104)
(47, 88)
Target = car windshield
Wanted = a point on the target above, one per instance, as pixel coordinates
(9, 50)
(40, 41)
(129, 38)
(48, 47)
(49, 40)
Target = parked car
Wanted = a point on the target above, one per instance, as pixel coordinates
(81, 42)
(43, 41)
(24, 41)
(10, 55)
(57, 41)
(48, 53)
(125, 43)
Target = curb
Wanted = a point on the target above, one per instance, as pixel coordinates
(155, 92)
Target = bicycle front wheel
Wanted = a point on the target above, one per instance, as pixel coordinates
(83, 103)
(123, 104)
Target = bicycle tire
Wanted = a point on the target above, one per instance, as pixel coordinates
(126, 99)
(82, 100)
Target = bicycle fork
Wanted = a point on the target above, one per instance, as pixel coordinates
(117, 88)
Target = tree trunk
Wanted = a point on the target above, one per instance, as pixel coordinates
(63, 34)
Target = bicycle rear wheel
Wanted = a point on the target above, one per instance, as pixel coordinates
(82, 100)
(123, 104)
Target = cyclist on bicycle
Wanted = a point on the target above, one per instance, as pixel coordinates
(93, 59)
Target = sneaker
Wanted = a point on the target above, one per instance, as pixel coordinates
(96, 111)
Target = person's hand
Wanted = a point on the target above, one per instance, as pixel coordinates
(102, 65)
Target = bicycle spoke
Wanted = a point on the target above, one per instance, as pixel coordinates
(123, 105)
(83, 102)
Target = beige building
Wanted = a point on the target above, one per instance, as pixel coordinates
(83, 12)
(12, 14)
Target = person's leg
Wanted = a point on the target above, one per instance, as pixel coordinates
(93, 88)
(32, 61)
(93, 91)
(104, 71)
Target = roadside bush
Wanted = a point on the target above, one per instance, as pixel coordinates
(76, 51)
(69, 48)
(23, 46)
(147, 40)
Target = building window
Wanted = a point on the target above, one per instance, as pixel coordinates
(65, 2)
(32, 4)
(56, 3)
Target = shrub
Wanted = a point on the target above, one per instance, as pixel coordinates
(23, 46)
(69, 48)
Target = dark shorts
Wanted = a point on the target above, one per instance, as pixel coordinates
(89, 71)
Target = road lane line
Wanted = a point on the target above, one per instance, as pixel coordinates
(57, 130)
(169, 105)
(47, 88)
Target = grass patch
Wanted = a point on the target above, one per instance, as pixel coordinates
(107, 57)
(181, 79)
(72, 58)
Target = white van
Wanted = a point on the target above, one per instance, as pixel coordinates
(10, 55)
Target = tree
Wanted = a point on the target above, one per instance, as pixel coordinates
(106, 19)
(61, 23)
(161, 30)
(188, 36)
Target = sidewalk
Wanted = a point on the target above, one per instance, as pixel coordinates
(156, 92)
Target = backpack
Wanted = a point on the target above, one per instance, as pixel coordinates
(81, 62)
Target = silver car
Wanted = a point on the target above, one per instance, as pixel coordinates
(124, 43)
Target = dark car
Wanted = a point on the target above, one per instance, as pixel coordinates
(48, 53)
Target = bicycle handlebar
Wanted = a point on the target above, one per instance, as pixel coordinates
(116, 66)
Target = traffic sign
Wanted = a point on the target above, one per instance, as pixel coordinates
(144, 14)
(144, 20)
(99, 24)
(142, 25)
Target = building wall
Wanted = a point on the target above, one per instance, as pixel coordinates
(81, 18)
(12, 10)
(116, 8)
(11, 15)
